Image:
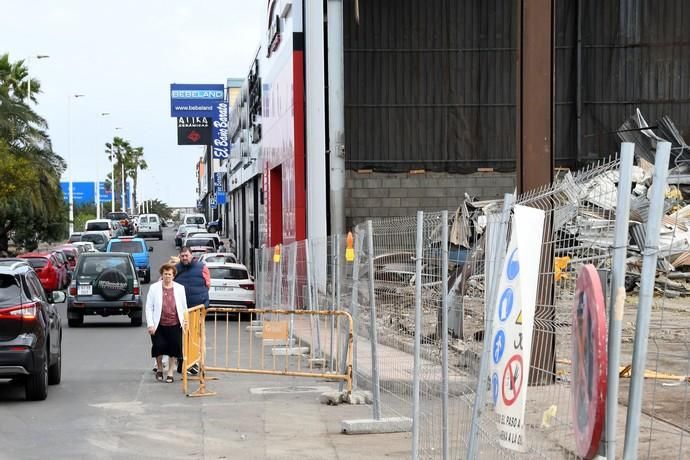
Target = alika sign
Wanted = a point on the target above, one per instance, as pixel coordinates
(220, 139)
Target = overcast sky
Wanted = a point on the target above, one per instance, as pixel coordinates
(123, 55)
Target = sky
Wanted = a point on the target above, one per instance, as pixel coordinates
(122, 56)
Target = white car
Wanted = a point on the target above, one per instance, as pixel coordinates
(231, 286)
(199, 246)
(100, 225)
(88, 245)
(198, 220)
(218, 257)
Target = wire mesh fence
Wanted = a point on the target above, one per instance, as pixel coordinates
(422, 293)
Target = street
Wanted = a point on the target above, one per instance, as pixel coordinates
(109, 405)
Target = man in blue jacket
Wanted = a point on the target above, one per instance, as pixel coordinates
(196, 279)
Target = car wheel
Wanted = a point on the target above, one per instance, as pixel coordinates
(75, 322)
(137, 320)
(55, 370)
(37, 383)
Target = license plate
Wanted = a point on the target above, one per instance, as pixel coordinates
(224, 288)
(84, 289)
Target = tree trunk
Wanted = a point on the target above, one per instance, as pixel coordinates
(135, 177)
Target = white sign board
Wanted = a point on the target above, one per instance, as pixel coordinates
(513, 323)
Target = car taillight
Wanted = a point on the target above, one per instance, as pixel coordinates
(136, 288)
(73, 288)
(248, 287)
(25, 311)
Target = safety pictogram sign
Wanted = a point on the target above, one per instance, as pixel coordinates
(589, 362)
(512, 380)
(513, 322)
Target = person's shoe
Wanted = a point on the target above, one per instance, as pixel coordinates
(194, 370)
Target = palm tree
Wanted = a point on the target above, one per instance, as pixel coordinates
(117, 151)
(134, 161)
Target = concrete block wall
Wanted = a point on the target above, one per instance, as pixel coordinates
(372, 195)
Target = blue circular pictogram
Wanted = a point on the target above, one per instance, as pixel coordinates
(499, 346)
(513, 267)
(494, 387)
(505, 305)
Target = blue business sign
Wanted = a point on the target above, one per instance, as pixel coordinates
(82, 192)
(219, 130)
(217, 182)
(221, 198)
(194, 100)
(105, 193)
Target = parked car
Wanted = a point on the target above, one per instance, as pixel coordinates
(47, 266)
(71, 254)
(85, 246)
(198, 220)
(123, 219)
(140, 253)
(98, 238)
(200, 246)
(103, 225)
(180, 234)
(63, 267)
(74, 237)
(30, 329)
(150, 226)
(231, 286)
(203, 234)
(218, 257)
(104, 284)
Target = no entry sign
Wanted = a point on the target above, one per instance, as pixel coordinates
(589, 362)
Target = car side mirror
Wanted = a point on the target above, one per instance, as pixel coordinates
(150, 248)
(57, 297)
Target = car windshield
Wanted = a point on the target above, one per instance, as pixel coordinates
(195, 220)
(200, 242)
(10, 294)
(94, 238)
(226, 273)
(37, 262)
(132, 247)
(74, 238)
(143, 220)
(93, 266)
(97, 226)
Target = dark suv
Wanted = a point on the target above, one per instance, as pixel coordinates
(30, 329)
(104, 284)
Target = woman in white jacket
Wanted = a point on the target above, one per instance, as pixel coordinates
(165, 306)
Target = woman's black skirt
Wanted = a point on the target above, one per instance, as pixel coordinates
(167, 341)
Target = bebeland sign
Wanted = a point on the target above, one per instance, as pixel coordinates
(194, 100)
(193, 130)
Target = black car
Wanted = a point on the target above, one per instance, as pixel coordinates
(124, 220)
(30, 329)
(104, 284)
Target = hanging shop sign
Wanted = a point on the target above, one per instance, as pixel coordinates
(221, 141)
(194, 100)
(193, 130)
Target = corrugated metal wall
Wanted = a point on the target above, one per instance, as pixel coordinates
(431, 84)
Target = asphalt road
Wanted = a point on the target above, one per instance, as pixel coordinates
(109, 406)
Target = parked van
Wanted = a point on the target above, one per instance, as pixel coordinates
(195, 219)
(149, 225)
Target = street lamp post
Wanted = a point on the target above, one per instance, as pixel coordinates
(28, 72)
(71, 190)
(98, 180)
(112, 165)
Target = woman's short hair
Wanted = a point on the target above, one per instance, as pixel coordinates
(168, 266)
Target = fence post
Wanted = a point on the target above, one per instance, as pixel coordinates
(444, 332)
(620, 247)
(292, 287)
(334, 288)
(376, 390)
(480, 394)
(649, 260)
(316, 347)
(416, 376)
(354, 309)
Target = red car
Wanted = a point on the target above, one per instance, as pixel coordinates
(51, 272)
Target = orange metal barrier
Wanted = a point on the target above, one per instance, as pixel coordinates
(193, 350)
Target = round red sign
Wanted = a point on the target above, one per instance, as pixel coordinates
(589, 362)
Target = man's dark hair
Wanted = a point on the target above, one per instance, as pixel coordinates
(185, 249)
